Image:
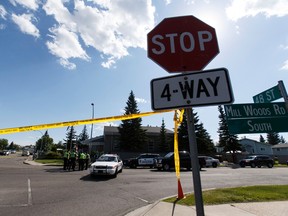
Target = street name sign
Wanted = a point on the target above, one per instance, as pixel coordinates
(256, 110)
(258, 125)
(210, 87)
(268, 95)
(182, 44)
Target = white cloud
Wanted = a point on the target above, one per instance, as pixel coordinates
(3, 12)
(25, 24)
(245, 8)
(65, 45)
(109, 28)
(285, 66)
(2, 26)
(30, 4)
(141, 100)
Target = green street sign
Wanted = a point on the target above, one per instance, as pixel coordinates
(258, 125)
(255, 110)
(267, 96)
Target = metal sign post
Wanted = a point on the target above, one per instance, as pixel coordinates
(283, 92)
(194, 163)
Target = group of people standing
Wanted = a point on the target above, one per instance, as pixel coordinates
(70, 158)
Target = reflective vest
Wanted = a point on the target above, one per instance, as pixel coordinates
(73, 154)
(66, 154)
(82, 156)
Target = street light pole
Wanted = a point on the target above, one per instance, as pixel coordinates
(92, 118)
(92, 104)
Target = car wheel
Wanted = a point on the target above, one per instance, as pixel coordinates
(166, 167)
(259, 166)
(121, 170)
(269, 165)
(214, 165)
(253, 165)
(115, 174)
(242, 165)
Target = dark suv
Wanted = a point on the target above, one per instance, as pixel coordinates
(146, 159)
(167, 162)
(257, 160)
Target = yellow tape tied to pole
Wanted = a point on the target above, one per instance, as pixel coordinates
(178, 118)
(77, 122)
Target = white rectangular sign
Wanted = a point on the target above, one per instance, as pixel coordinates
(203, 88)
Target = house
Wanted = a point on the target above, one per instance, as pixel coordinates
(109, 142)
(250, 146)
(281, 152)
(112, 135)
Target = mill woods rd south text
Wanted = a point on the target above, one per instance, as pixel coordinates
(256, 118)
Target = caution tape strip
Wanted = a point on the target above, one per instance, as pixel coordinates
(78, 122)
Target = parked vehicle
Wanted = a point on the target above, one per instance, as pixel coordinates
(257, 160)
(210, 161)
(167, 162)
(107, 164)
(144, 160)
(4, 152)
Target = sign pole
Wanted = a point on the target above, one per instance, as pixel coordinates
(283, 92)
(194, 163)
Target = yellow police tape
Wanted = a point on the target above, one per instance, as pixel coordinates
(78, 122)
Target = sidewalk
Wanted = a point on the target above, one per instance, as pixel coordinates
(159, 208)
(240, 209)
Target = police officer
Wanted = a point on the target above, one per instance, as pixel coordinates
(65, 159)
(73, 155)
(87, 161)
(82, 158)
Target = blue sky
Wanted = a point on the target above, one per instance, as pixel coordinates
(59, 56)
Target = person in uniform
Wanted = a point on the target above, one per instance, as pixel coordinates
(73, 156)
(87, 161)
(65, 159)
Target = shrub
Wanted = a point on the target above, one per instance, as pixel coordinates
(53, 155)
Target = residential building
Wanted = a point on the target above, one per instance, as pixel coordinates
(109, 142)
(250, 146)
(280, 152)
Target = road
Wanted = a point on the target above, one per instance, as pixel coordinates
(48, 190)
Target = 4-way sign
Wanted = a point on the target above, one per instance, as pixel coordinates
(210, 87)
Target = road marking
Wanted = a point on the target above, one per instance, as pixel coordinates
(142, 200)
(29, 193)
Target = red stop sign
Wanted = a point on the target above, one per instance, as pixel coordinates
(181, 44)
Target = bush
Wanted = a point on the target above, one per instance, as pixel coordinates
(53, 155)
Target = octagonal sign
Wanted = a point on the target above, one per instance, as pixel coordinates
(180, 44)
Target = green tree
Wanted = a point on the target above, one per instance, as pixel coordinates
(273, 138)
(261, 139)
(83, 135)
(3, 144)
(132, 136)
(282, 139)
(204, 142)
(12, 146)
(45, 143)
(228, 141)
(71, 137)
(164, 143)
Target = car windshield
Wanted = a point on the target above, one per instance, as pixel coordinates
(250, 157)
(169, 154)
(107, 158)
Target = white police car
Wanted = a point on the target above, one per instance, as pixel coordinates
(107, 164)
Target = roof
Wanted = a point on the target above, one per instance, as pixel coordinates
(246, 139)
(281, 145)
(149, 129)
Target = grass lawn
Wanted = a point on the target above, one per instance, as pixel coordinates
(237, 195)
(50, 161)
